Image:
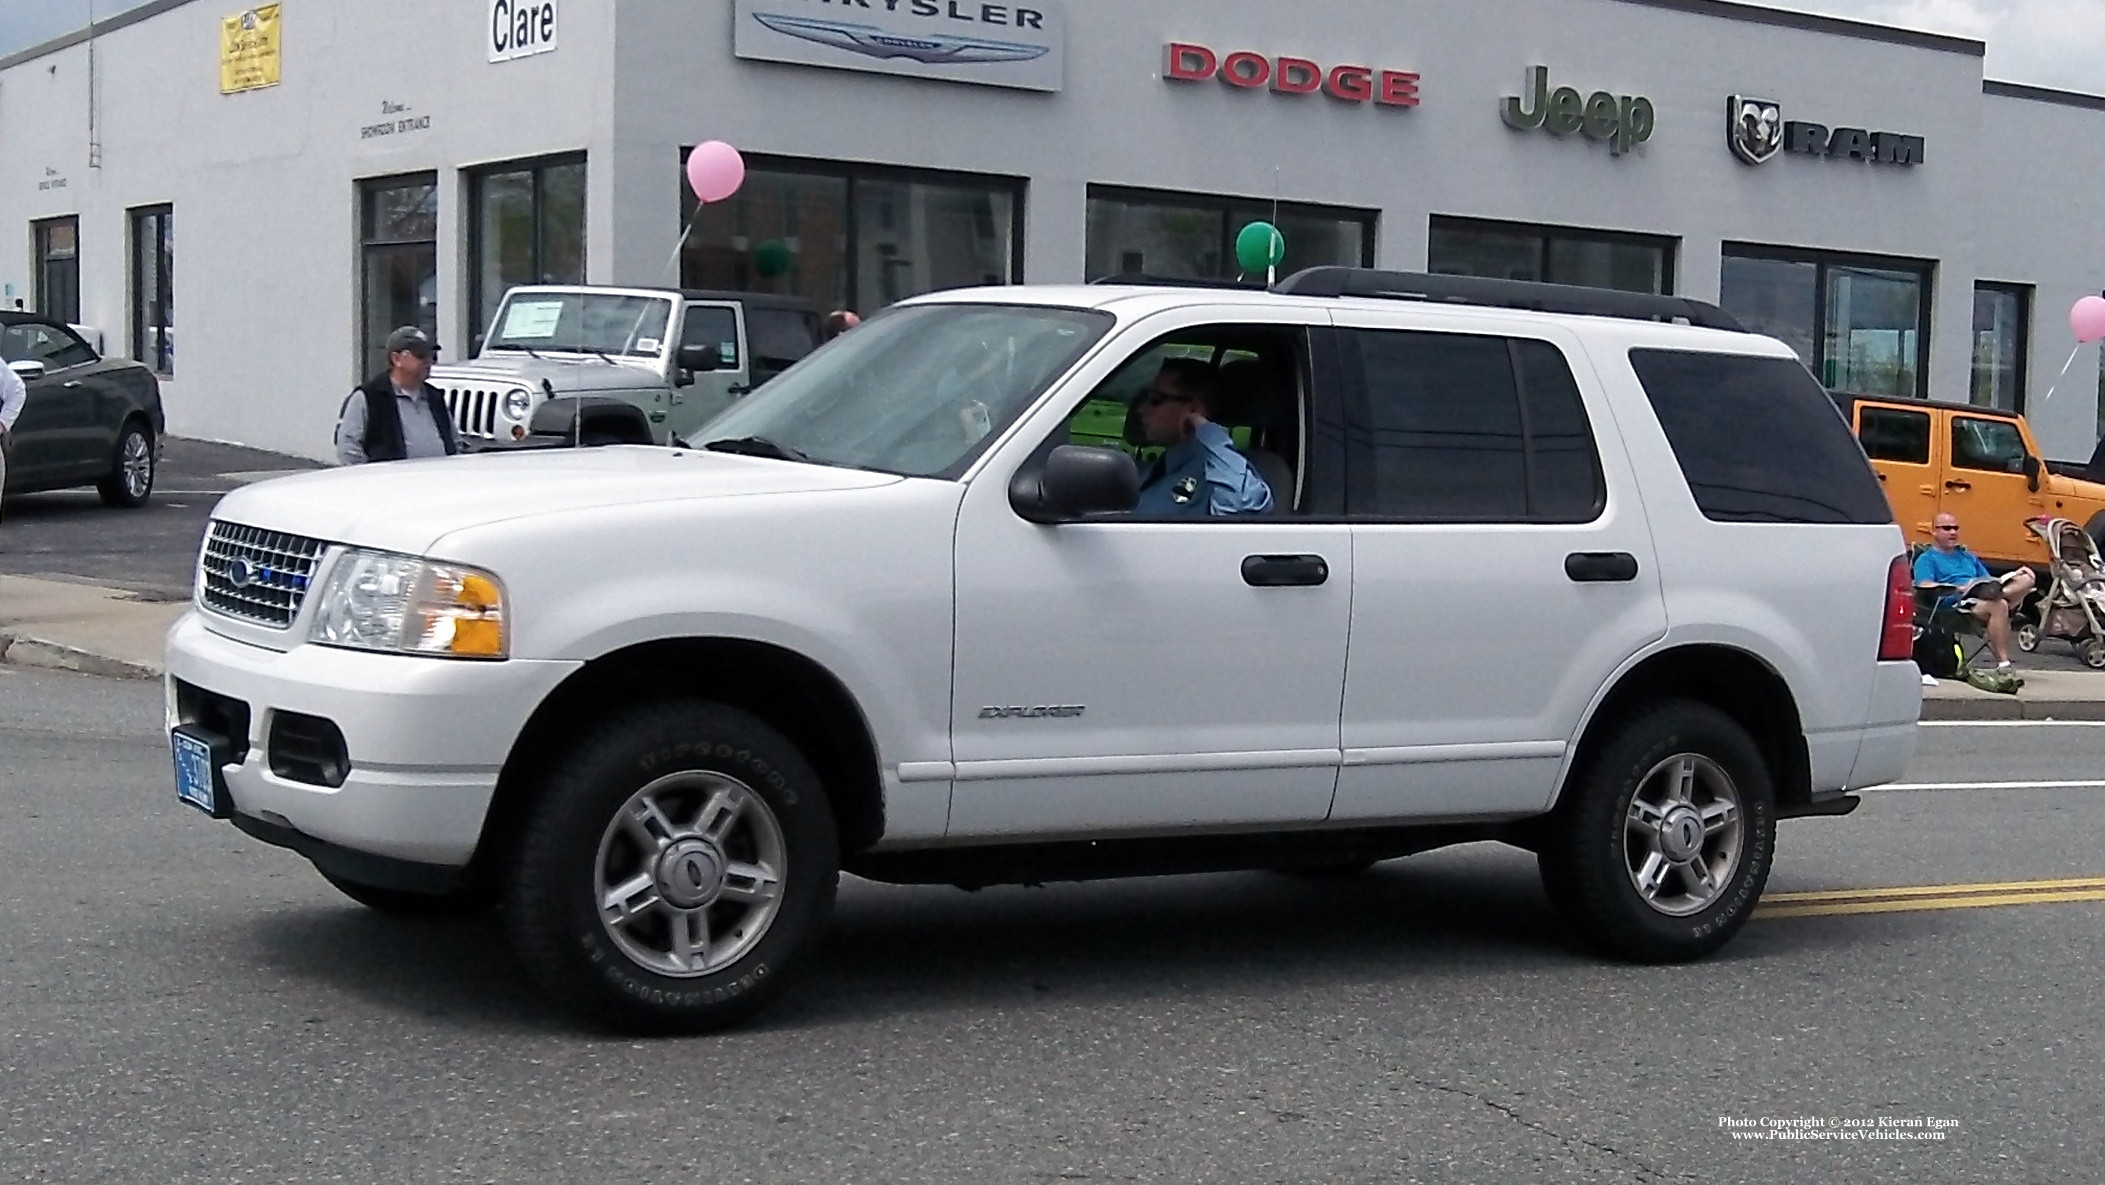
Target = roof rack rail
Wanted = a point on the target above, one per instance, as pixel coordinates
(1510, 294)
(1143, 279)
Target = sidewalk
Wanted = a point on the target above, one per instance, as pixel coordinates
(2046, 695)
(82, 627)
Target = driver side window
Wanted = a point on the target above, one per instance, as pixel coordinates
(1259, 397)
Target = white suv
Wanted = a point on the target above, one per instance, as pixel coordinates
(1595, 574)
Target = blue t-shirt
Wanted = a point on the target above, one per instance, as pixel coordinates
(1204, 475)
(1958, 567)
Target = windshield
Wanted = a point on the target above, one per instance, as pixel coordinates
(914, 390)
(582, 322)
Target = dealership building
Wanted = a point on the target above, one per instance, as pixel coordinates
(249, 200)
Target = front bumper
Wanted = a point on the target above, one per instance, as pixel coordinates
(426, 737)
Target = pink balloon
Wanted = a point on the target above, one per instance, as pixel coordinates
(2088, 319)
(715, 171)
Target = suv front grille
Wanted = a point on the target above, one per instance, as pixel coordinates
(475, 410)
(257, 575)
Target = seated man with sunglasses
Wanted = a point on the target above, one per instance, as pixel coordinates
(1201, 473)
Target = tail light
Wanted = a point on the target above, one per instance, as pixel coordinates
(1896, 639)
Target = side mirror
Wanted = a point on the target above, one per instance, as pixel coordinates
(28, 369)
(2032, 468)
(1075, 481)
(698, 359)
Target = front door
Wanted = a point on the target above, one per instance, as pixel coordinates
(1986, 487)
(1151, 675)
(1502, 571)
(58, 426)
(1898, 440)
(716, 326)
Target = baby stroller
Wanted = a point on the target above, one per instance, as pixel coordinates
(2072, 607)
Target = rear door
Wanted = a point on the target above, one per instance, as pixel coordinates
(1907, 454)
(1986, 487)
(1502, 569)
(717, 326)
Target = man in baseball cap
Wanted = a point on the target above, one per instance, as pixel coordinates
(397, 415)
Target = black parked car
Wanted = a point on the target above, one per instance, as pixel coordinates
(89, 420)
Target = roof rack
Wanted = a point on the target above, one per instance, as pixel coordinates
(1509, 294)
(1143, 279)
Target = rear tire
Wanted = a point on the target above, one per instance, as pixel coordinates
(1662, 845)
(680, 863)
(133, 466)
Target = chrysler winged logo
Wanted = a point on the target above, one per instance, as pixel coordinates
(869, 40)
(1754, 127)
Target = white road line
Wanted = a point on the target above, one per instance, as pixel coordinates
(2069, 785)
(2011, 723)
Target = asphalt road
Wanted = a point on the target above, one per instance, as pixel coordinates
(151, 551)
(178, 1003)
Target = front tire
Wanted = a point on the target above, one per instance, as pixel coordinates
(679, 864)
(129, 482)
(1660, 851)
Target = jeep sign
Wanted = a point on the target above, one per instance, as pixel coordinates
(1622, 121)
(520, 28)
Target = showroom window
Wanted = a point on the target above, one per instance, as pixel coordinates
(526, 225)
(2002, 334)
(398, 219)
(1551, 254)
(57, 244)
(1862, 324)
(853, 236)
(153, 287)
(1192, 236)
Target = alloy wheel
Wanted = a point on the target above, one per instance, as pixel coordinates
(690, 873)
(1683, 834)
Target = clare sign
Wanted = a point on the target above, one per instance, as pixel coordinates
(1620, 121)
(520, 28)
(1015, 43)
(251, 54)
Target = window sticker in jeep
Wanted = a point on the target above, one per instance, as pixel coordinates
(533, 319)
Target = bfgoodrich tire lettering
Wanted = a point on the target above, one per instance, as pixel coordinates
(1662, 845)
(679, 864)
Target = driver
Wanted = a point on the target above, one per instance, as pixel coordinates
(1201, 473)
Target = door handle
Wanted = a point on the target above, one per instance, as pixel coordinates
(1881, 476)
(1956, 484)
(1282, 571)
(1601, 567)
(70, 384)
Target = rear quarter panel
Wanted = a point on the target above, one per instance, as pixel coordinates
(1807, 600)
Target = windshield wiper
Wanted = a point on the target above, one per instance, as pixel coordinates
(757, 446)
(602, 355)
(529, 350)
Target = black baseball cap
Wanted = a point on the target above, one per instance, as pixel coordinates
(413, 339)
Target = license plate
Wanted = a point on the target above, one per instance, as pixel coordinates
(193, 772)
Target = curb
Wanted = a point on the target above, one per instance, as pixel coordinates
(2012, 708)
(56, 656)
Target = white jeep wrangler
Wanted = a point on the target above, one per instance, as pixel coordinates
(1595, 574)
(681, 356)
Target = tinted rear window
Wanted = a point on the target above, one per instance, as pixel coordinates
(1758, 440)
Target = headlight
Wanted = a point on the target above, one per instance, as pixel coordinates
(375, 600)
(517, 404)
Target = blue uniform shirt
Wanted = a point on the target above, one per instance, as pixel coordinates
(1958, 567)
(1204, 475)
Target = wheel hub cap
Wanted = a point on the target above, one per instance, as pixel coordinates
(1681, 834)
(690, 874)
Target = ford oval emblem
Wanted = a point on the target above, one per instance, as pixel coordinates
(243, 573)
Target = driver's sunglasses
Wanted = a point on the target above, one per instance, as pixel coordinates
(1952, 527)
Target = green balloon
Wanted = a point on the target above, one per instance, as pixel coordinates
(1259, 246)
(771, 258)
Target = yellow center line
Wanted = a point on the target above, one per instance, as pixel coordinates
(2088, 882)
(1925, 897)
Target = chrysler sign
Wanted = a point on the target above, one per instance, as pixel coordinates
(1016, 43)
